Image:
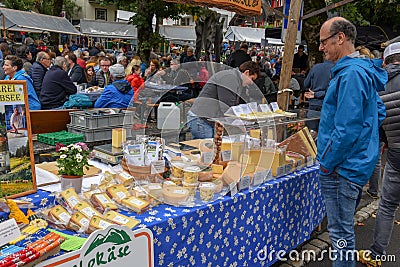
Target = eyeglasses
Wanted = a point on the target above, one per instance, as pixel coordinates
(324, 41)
(105, 65)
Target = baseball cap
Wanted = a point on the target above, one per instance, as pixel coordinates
(117, 71)
(391, 50)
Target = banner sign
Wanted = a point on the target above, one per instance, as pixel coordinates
(114, 246)
(244, 7)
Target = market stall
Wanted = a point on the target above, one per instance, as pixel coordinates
(250, 35)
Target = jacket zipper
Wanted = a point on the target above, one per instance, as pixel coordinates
(326, 150)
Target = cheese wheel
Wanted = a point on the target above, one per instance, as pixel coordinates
(175, 194)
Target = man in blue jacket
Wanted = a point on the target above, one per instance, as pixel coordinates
(119, 93)
(348, 140)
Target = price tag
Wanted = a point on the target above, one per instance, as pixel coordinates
(245, 108)
(226, 155)
(237, 110)
(289, 168)
(207, 157)
(258, 178)
(244, 182)
(233, 189)
(252, 106)
(281, 170)
(9, 231)
(310, 161)
(274, 106)
(269, 175)
(157, 166)
(299, 164)
(264, 107)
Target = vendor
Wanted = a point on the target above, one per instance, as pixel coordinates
(224, 89)
(119, 93)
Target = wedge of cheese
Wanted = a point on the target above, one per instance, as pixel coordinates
(218, 169)
(299, 143)
(136, 204)
(86, 209)
(117, 192)
(97, 222)
(310, 139)
(70, 197)
(125, 178)
(60, 214)
(78, 221)
(231, 173)
(101, 201)
(120, 219)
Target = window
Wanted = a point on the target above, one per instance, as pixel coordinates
(101, 14)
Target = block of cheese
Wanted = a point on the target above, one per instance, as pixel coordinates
(125, 178)
(139, 192)
(265, 158)
(101, 201)
(86, 209)
(136, 204)
(60, 214)
(154, 190)
(120, 219)
(255, 133)
(175, 194)
(88, 194)
(97, 222)
(117, 192)
(70, 197)
(310, 139)
(298, 143)
(237, 149)
(218, 169)
(231, 173)
(78, 221)
(118, 137)
(300, 159)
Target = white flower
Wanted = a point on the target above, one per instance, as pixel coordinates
(78, 147)
(63, 156)
(64, 148)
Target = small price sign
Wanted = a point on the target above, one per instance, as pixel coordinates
(226, 155)
(157, 166)
(233, 189)
(244, 182)
(258, 178)
(310, 161)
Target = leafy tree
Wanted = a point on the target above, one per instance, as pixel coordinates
(145, 11)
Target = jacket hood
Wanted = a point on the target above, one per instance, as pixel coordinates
(377, 74)
(123, 86)
(393, 70)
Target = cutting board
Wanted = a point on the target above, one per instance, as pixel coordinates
(52, 167)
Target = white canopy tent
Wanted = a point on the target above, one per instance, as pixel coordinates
(15, 20)
(178, 34)
(250, 35)
(107, 29)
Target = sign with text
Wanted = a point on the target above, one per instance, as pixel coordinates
(17, 174)
(114, 246)
(244, 7)
(9, 231)
(286, 8)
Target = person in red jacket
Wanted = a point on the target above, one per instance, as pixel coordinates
(136, 81)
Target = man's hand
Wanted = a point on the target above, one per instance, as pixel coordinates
(309, 94)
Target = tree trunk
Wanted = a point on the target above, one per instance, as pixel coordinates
(311, 27)
(145, 31)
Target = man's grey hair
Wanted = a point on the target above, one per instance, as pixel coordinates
(176, 62)
(60, 61)
(121, 58)
(78, 53)
(345, 26)
(41, 55)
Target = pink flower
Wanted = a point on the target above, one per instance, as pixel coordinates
(83, 145)
(58, 146)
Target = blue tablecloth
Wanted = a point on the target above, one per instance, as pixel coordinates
(279, 215)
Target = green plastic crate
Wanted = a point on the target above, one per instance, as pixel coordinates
(62, 137)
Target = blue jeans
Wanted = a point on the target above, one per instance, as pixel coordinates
(199, 128)
(390, 200)
(341, 199)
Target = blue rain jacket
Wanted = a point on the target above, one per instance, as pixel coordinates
(352, 112)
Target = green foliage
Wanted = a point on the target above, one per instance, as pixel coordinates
(47, 7)
(72, 159)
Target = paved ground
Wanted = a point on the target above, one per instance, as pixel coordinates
(364, 237)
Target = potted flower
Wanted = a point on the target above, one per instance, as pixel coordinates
(72, 160)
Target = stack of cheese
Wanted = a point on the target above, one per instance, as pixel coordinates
(80, 215)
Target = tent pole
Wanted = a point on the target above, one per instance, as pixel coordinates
(4, 26)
